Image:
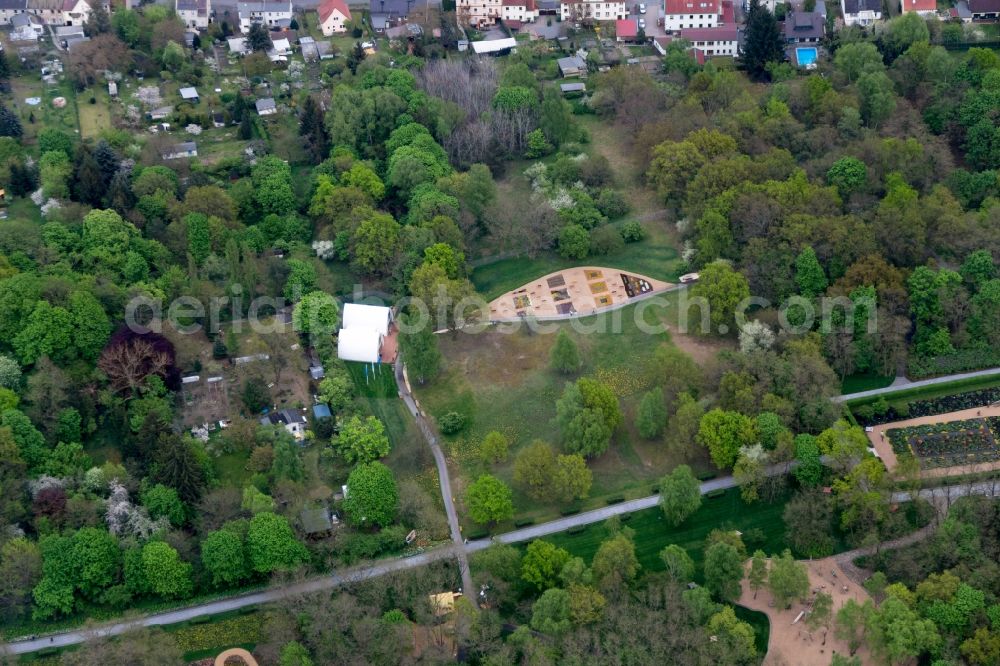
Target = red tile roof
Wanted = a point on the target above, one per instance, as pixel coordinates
(726, 33)
(692, 7)
(728, 13)
(626, 27)
(327, 6)
(919, 5)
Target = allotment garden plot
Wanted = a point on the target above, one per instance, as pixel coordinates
(943, 444)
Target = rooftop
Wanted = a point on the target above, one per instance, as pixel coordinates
(189, 93)
(693, 7)
(626, 28)
(266, 104)
(858, 6)
(327, 7)
(723, 33)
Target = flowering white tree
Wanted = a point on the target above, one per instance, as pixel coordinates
(755, 336)
(127, 519)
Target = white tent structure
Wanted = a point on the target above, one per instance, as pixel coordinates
(369, 317)
(362, 329)
(359, 344)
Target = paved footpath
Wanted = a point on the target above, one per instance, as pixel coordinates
(445, 481)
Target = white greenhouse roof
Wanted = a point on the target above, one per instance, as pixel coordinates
(359, 344)
(367, 317)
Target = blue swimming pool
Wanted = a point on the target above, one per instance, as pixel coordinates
(806, 55)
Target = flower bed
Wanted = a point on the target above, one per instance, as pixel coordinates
(948, 444)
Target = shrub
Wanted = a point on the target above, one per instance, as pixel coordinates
(606, 240)
(452, 423)
(611, 203)
(617, 499)
(633, 232)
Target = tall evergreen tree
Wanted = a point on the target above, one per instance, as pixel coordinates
(88, 181)
(22, 179)
(312, 127)
(4, 67)
(10, 124)
(245, 131)
(108, 160)
(762, 43)
(120, 196)
(178, 467)
(355, 58)
(257, 38)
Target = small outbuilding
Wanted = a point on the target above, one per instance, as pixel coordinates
(494, 46)
(266, 106)
(572, 66)
(189, 95)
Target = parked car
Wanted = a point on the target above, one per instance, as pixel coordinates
(642, 9)
(642, 24)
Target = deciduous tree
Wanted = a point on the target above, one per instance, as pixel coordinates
(489, 500)
(680, 494)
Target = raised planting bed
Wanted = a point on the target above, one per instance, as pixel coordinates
(948, 444)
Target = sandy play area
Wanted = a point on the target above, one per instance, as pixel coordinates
(877, 436)
(573, 291)
(791, 643)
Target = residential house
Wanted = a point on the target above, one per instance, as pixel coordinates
(280, 50)
(189, 95)
(960, 12)
(333, 16)
(293, 421)
(266, 106)
(863, 12)
(28, 22)
(591, 10)
(984, 9)
(269, 13)
(393, 11)
(681, 14)
(478, 13)
(60, 12)
(181, 150)
(721, 40)
(520, 11)
(572, 66)
(804, 28)
(194, 13)
(626, 30)
(11, 8)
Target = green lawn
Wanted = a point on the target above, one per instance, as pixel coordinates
(97, 116)
(866, 382)
(653, 532)
(503, 382)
